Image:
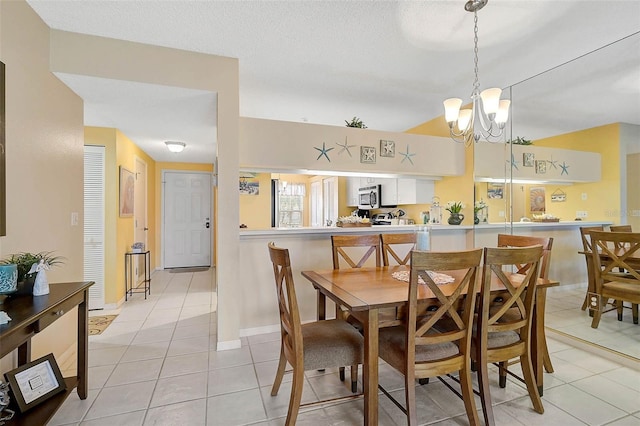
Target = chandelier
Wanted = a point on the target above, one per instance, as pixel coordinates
(486, 107)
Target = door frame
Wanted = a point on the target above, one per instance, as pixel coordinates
(212, 218)
(139, 276)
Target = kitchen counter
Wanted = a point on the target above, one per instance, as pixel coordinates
(324, 230)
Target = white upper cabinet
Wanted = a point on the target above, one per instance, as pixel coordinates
(415, 191)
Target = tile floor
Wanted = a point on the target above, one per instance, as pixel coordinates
(157, 365)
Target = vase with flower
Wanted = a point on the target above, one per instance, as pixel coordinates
(455, 216)
(479, 209)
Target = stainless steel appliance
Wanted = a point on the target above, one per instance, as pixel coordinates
(382, 219)
(369, 197)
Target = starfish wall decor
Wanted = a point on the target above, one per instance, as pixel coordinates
(323, 152)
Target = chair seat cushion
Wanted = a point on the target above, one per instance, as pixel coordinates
(393, 345)
(331, 343)
(621, 290)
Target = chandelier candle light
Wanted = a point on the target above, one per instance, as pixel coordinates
(492, 112)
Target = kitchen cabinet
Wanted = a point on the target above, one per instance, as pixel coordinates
(415, 191)
(394, 191)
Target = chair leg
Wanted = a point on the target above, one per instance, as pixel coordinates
(485, 394)
(619, 308)
(502, 371)
(354, 378)
(342, 374)
(585, 303)
(282, 364)
(597, 313)
(546, 358)
(530, 380)
(424, 381)
(466, 386)
(410, 398)
(296, 396)
(634, 311)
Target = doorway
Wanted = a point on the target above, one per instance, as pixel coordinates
(187, 230)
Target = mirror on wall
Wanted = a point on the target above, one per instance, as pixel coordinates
(569, 113)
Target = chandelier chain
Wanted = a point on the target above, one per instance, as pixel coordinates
(476, 82)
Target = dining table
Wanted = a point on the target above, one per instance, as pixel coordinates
(367, 292)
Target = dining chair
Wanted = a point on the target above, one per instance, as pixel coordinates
(416, 348)
(356, 243)
(616, 256)
(406, 241)
(309, 346)
(507, 240)
(620, 228)
(500, 336)
(586, 249)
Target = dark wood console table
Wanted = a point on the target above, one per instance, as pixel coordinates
(32, 314)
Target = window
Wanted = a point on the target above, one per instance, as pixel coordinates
(290, 204)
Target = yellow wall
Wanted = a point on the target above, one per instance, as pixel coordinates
(44, 164)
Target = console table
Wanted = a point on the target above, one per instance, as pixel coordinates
(129, 276)
(29, 316)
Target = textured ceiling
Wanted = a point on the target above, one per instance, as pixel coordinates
(391, 63)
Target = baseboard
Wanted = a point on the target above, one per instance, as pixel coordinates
(228, 345)
(610, 354)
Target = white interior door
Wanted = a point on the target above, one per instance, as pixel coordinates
(140, 214)
(94, 205)
(330, 199)
(316, 204)
(187, 219)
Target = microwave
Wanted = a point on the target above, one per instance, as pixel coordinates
(369, 197)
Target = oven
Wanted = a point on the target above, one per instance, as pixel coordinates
(369, 197)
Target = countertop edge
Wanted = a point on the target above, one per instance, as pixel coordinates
(409, 228)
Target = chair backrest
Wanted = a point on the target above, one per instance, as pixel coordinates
(586, 238)
(506, 240)
(621, 228)
(396, 239)
(613, 252)
(463, 267)
(369, 242)
(290, 325)
(519, 293)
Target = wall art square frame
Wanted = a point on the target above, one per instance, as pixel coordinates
(127, 192)
(387, 148)
(528, 159)
(541, 167)
(35, 382)
(368, 154)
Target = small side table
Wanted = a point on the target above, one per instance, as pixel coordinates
(145, 286)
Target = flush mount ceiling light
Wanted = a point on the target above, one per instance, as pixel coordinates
(490, 111)
(175, 146)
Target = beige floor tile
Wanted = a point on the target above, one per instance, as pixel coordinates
(233, 409)
(182, 413)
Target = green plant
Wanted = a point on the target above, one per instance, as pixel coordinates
(454, 206)
(521, 141)
(25, 260)
(479, 205)
(355, 122)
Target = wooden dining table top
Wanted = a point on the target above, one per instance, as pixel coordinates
(361, 289)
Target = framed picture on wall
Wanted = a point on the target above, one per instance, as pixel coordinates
(528, 159)
(127, 191)
(495, 190)
(368, 154)
(537, 199)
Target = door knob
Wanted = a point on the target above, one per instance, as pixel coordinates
(145, 229)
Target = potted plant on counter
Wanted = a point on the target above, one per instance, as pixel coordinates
(455, 208)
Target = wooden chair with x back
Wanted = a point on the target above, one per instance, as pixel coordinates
(406, 240)
(616, 256)
(417, 348)
(507, 240)
(500, 335)
(309, 346)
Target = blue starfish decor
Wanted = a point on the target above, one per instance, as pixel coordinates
(323, 152)
(513, 162)
(564, 166)
(407, 156)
